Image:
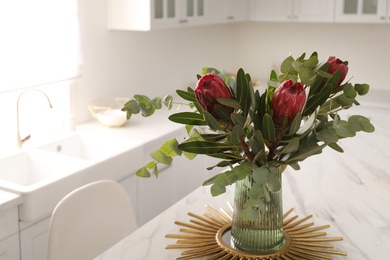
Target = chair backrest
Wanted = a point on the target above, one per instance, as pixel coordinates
(90, 220)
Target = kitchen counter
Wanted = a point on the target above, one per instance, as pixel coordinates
(350, 191)
(9, 200)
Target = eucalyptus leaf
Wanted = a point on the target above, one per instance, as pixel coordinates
(143, 172)
(287, 66)
(159, 156)
(291, 147)
(217, 189)
(238, 134)
(362, 89)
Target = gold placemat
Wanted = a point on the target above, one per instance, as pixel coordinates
(203, 237)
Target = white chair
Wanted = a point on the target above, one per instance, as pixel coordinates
(90, 220)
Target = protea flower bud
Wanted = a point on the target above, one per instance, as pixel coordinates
(336, 64)
(209, 88)
(289, 99)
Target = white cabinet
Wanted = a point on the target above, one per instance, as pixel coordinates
(226, 11)
(34, 241)
(154, 14)
(362, 11)
(158, 14)
(9, 234)
(292, 10)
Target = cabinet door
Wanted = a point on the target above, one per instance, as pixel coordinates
(193, 12)
(271, 10)
(237, 10)
(313, 10)
(165, 14)
(9, 248)
(34, 241)
(361, 11)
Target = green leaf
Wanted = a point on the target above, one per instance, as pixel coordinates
(238, 134)
(214, 137)
(229, 102)
(243, 93)
(268, 128)
(261, 174)
(274, 183)
(311, 63)
(207, 70)
(286, 66)
(344, 129)
(349, 91)
(217, 189)
(167, 101)
(327, 135)
(296, 124)
(307, 76)
(205, 147)
(336, 147)
(317, 100)
(143, 172)
(161, 157)
(186, 95)
(361, 123)
(170, 148)
(211, 121)
(362, 89)
(291, 147)
(305, 150)
(188, 118)
(237, 119)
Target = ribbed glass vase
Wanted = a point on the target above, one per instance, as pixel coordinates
(265, 234)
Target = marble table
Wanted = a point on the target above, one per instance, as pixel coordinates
(350, 191)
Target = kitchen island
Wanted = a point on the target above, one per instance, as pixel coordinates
(350, 191)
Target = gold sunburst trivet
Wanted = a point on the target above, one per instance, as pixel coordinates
(203, 237)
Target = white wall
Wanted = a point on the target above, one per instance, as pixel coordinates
(124, 63)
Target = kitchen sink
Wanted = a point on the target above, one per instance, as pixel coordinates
(87, 146)
(45, 174)
(27, 170)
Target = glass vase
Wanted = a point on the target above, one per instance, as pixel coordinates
(265, 234)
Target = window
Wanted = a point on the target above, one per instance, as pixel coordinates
(39, 42)
(40, 48)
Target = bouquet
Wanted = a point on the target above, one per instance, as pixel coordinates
(296, 117)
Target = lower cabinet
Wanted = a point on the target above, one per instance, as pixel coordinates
(34, 241)
(151, 196)
(9, 248)
(9, 234)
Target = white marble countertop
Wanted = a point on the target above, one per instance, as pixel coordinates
(350, 191)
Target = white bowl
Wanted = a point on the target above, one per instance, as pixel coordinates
(108, 111)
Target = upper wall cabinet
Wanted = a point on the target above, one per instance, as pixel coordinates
(154, 14)
(292, 10)
(362, 11)
(225, 11)
(158, 14)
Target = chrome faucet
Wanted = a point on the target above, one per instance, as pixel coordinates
(20, 140)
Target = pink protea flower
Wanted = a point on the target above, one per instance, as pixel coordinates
(336, 64)
(209, 88)
(289, 99)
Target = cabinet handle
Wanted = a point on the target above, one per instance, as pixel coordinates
(383, 18)
(183, 21)
(230, 17)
